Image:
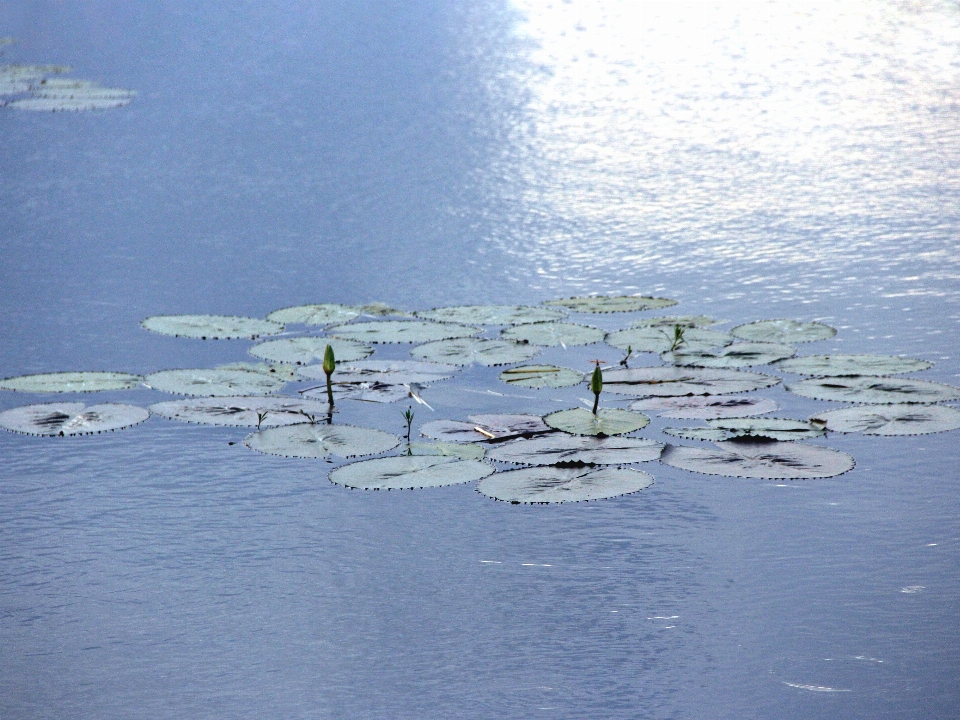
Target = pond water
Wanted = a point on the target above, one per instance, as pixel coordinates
(750, 160)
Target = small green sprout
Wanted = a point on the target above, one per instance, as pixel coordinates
(677, 337)
(408, 416)
(626, 358)
(261, 416)
(596, 385)
(329, 365)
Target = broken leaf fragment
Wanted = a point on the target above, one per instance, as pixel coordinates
(551, 334)
(306, 350)
(737, 355)
(410, 472)
(211, 327)
(891, 419)
(541, 376)
(402, 331)
(607, 421)
(874, 390)
(245, 411)
(760, 459)
(661, 339)
(562, 449)
(214, 382)
(610, 304)
(465, 351)
(558, 485)
(317, 440)
(676, 381)
(67, 382)
(319, 314)
(63, 419)
(846, 364)
(492, 314)
(787, 332)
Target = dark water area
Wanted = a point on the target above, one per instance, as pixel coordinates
(761, 160)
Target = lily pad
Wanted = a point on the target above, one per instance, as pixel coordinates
(784, 331)
(783, 429)
(474, 350)
(558, 485)
(607, 421)
(706, 407)
(732, 356)
(402, 331)
(410, 472)
(322, 314)
(891, 419)
(288, 373)
(396, 372)
(464, 451)
(541, 376)
(309, 440)
(306, 350)
(560, 449)
(241, 411)
(553, 333)
(874, 390)
(379, 309)
(492, 314)
(482, 428)
(59, 94)
(366, 391)
(211, 327)
(674, 381)
(608, 304)
(669, 321)
(63, 382)
(843, 364)
(206, 382)
(760, 459)
(660, 339)
(62, 419)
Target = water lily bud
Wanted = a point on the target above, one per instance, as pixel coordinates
(329, 363)
(596, 381)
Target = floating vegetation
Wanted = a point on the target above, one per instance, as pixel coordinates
(17, 79)
(312, 440)
(760, 459)
(737, 355)
(367, 391)
(700, 407)
(874, 390)
(246, 411)
(465, 351)
(674, 381)
(607, 421)
(464, 451)
(541, 376)
(71, 382)
(286, 372)
(558, 485)
(841, 365)
(306, 350)
(402, 331)
(783, 331)
(379, 309)
(560, 449)
(553, 333)
(670, 321)
(211, 327)
(663, 339)
(729, 428)
(492, 314)
(323, 314)
(206, 382)
(63, 95)
(608, 304)
(410, 472)
(891, 419)
(63, 419)
(396, 372)
(482, 428)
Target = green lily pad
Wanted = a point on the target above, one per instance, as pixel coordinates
(464, 451)
(561, 449)
(669, 321)
(211, 327)
(732, 356)
(63, 419)
(844, 364)
(396, 372)
(206, 382)
(288, 373)
(553, 333)
(706, 407)
(660, 339)
(322, 314)
(367, 391)
(874, 390)
(783, 429)
(410, 472)
(607, 421)
(891, 419)
(379, 309)
(402, 331)
(483, 428)
(309, 440)
(492, 314)
(464, 351)
(541, 376)
(558, 485)
(674, 381)
(784, 331)
(241, 411)
(607, 304)
(64, 382)
(306, 350)
(760, 459)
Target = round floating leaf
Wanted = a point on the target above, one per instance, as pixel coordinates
(63, 382)
(697, 433)
(205, 382)
(541, 376)
(485, 427)
(287, 373)
(71, 418)
(700, 407)
(464, 451)
(891, 419)
(379, 309)
(774, 428)
(733, 356)
(783, 331)
(759, 459)
(660, 339)
(241, 411)
(306, 350)
(553, 333)
(402, 331)
(839, 365)
(323, 314)
(409, 472)
(607, 421)
(472, 350)
(491, 314)
(559, 485)
(311, 440)
(396, 372)
(560, 449)
(669, 321)
(606, 304)
(367, 391)
(674, 381)
(211, 327)
(874, 390)
(72, 95)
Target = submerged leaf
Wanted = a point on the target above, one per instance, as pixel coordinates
(560, 449)
(891, 419)
(541, 376)
(661, 339)
(245, 411)
(760, 459)
(559, 485)
(784, 331)
(474, 350)
(607, 304)
(306, 350)
(670, 321)
(732, 356)
(410, 472)
(553, 333)
(71, 418)
(607, 421)
(844, 364)
(464, 451)
(312, 440)
(402, 331)
(782, 429)
(63, 382)
(674, 381)
(396, 372)
(705, 407)
(874, 390)
(205, 382)
(322, 314)
(211, 327)
(482, 428)
(492, 314)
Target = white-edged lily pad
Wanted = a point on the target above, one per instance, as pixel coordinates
(62, 95)
(483, 428)
(213, 382)
(760, 459)
(285, 372)
(318, 440)
(492, 314)
(783, 429)
(737, 355)
(706, 407)
(607, 421)
(669, 321)
(464, 351)
(396, 372)
(367, 391)
(410, 472)
(608, 304)
(402, 331)
(541, 376)
(321, 314)
(70, 382)
(845, 364)
(558, 485)
(246, 411)
(674, 381)
(891, 419)
(63, 419)
(306, 350)
(660, 339)
(553, 333)
(211, 327)
(561, 449)
(874, 390)
(464, 451)
(783, 331)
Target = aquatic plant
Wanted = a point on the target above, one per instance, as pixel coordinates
(540, 485)
(329, 365)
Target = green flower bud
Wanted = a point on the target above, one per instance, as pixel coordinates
(596, 381)
(329, 363)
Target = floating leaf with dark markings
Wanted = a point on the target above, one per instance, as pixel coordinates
(541, 376)
(607, 421)
(891, 419)
(465, 351)
(64, 419)
(317, 440)
(705, 407)
(62, 94)
(608, 304)
(558, 485)
(322, 314)
(670, 321)
(732, 356)
(661, 339)
(553, 333)
(874, 390)
(247, 411)
(402, 331)
(410, 472)
(760, 459)
(674, 381)
(482, 428)
(367, 391)
(379, 309)
(211, 327)
(844, 365)
(285, 372)
(464, 451)
(64, 382)
(396, 372)
(206, 382)
(783, 429)
(492, 314)
(784, 331)
(306, 350)
(561, 449)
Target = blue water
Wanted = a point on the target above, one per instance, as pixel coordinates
(751, 160)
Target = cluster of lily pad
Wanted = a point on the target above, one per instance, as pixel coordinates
(572, 454)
